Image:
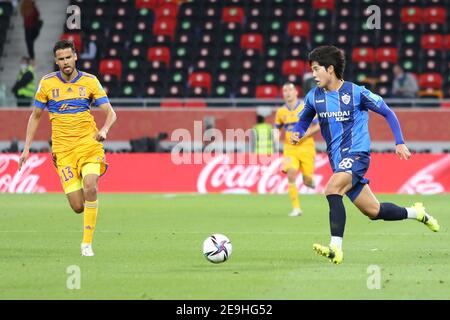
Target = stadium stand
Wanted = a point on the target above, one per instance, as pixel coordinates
(6, 10)
(245, 48)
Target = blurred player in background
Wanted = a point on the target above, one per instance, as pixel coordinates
(342, 108)
(300, 156)
(76, 142)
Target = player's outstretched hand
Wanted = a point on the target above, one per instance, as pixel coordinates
(295, 138)
(101, 135)
(402, 151)
(23, 158)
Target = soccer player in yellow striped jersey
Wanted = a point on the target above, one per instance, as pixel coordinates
(300, 156)
(77, 150)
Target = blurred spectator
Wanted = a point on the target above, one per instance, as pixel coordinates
(262, 142)
(404, 84)
(25, 87)
(89, 48)
(32, 24)
(2, 94)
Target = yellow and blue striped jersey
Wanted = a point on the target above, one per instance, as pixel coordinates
(69, 104)
(286, 118)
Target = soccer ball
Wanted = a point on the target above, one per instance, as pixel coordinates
(217, 248)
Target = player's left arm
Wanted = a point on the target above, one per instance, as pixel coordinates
(375, 103)
(101, 100)
(111, 117)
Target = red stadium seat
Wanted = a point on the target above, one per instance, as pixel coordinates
(148, 4)
(200, 79)
(267, 91)
(432, 41)
(161, 54)
(171, 103)
(430, 80)
(299, 28)
(167, 11)
(434, 15)
(165, 27)
(323, 4)
(412, 15)
(75, 38)
(296, 67)
(363, 54)
(195, 103)
(446, 43)
(252, 41)
(233, 14)
(386, 54)
(111, 66)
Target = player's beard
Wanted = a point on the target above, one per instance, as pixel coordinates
(68, 73)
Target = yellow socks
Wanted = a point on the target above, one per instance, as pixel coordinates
(89, 219)
(293, 194)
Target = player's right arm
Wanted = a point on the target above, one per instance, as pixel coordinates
(33, 123)
(40, 103)
(304, 120)
(277, 127)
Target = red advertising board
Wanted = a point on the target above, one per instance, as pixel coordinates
(227, 173)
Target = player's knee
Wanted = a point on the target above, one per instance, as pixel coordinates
(77, 208)
(90, 192)
(372, 212)
(331, 189)
(308, 181)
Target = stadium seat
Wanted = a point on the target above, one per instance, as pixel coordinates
(432, 41)
(296, 67)
(363, 55)
(148, 4)
(233, 14)
(112, 67)
(299, 28)
(161, 54)
(434, 15)
(200, 79)
(430, 80)
(386, 54)
(323, 4)
(267, 92)
(167, 11)
(411, 15)
(171, 103)
(165, 27)
(252, 41)
(446, 42)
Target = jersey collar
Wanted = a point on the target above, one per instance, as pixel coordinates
(58, 74)
(296, 106)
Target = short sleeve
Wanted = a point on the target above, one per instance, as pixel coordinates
(278, 120)
(41, 98)
(99, 96)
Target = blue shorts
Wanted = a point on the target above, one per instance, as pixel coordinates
(357, 164)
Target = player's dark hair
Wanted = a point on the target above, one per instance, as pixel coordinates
(63, 44)
(329, 56)
(288, 83)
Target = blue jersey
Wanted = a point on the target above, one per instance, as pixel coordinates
(343, 117)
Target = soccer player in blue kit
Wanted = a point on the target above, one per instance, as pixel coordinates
(342, 109)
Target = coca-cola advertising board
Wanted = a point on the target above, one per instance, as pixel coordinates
(225, 173)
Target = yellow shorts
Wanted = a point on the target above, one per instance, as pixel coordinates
(299, 160)
(73, 166)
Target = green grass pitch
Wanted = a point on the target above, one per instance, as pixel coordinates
(148, 246)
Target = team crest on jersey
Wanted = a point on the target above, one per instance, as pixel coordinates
(345, 98)
(82, 91)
